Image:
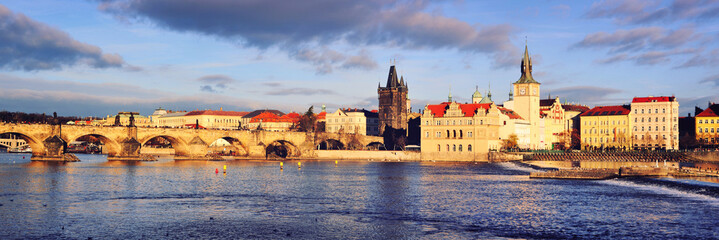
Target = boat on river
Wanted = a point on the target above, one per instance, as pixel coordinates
(23, 149)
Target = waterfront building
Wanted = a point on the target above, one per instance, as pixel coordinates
(214, 119)
(393, 109)
(351, 120)
(606, 127)
(655, 122)
(269, 121)
(454, 131)
(248, 117)
(155, 116)
(512, 123)
(172, 119)
(555, 126)
(707, 126)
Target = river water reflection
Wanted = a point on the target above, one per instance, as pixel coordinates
(353, 199)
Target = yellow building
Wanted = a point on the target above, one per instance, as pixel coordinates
(707, 126)
(350, 120)
(215, 119)
(459, 132)
(606, 127)
(170, 119)
(655, 122)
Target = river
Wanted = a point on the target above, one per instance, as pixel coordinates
(349, 200)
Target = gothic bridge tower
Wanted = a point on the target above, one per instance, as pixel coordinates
(393, 109)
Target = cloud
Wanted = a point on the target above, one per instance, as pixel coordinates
(301, 91)
(702, 59)
(325, 59)
(711, 79)
(216, 83)
(637, 39)
(586, 94)
(687, 104)
(646, 12)
(304, 28)
(28, 45)
(90, 99)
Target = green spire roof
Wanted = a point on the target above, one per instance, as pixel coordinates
(477, 94)
(526, 68)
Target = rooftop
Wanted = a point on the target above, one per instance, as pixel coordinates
(654, 99)
(607, 111)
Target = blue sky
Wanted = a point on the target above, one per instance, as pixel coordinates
(95, 58)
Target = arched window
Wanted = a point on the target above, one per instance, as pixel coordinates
(439, 148)
(454, 148)
(447, 147)
(460, 134)
(469, 147)
(460, 147)
(448, 136)
(455, 133)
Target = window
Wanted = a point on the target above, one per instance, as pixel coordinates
(700, 130)
(655, 128)
(635, 119)
(439, 134)
(657, 119)
(447, 147)
(642, 128)
(460, 134)
(649, 119)
(642, 119)
(664, 119)
(448, 137)
(460, 147)
(469, 148)
(700, 121)
(439, 148)
(439, 122)
(469, 122)
(426, 134)
(642, 111)
(656, 110)
(454, 148)
(664, 128)
(664, 110)
(635, 111)
(469, 134)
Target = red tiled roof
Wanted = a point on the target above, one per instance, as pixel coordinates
(547, 102)
(322, 115)
(271, 117)
(576, 108)
(510, 113)
(607, 111)
(711, 111)
(653, 99)
(468, 109)
(216, 113)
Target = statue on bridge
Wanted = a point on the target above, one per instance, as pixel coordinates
(117, 120)
(55, 121)
(132, 120)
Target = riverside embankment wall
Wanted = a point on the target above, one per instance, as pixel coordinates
(368, 155)
(712, 156)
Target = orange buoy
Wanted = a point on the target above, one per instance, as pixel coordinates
(217, 170)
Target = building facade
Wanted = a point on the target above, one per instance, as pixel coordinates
(350, 120)
(606, 127)
(454, 131)
(707, 126)
(268, 121)
(655, 122)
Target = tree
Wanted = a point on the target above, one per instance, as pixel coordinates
(510, 143)
(307, 121)
(687, 141)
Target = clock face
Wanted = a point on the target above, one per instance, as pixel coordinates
(522, 91)
(535, 91)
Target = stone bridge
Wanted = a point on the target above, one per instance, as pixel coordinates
(48, 142)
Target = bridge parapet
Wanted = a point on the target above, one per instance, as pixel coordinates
(124, 143)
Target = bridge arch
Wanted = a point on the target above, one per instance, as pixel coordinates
(330, 144)
(281, 149)
(374, 146)
(35, 144)
(113, 148)
(180, 146)
(237, 147)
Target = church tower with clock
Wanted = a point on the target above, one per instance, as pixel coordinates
(526, 99)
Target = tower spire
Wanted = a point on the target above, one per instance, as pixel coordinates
(526, 68)
(449, 98)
